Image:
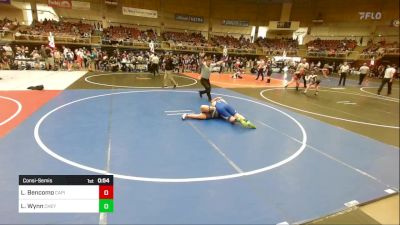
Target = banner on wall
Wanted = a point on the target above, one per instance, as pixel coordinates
(5, 1)
(189, 18)
(237, 23)
(60, 4)
(111, 2)
(80, 5)
(139, 12)
(370, 15)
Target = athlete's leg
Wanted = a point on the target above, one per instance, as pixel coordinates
(316, 89)
(289, 83)
(171, 78)
(308, 87)
(297, 84)
(206, 84)
(199, 116)
(243, 121)
(165, 81)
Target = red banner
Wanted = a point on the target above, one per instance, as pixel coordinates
(60, 3)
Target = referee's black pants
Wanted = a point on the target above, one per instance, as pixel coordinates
(155, 69)
(206, 84)
(362, 76)
(342, 77)
(384, 81)
(260, 73)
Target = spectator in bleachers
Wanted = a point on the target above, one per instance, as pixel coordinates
(332, 48)
(186, 40)
(278, 46)
(7, 24)
(127, 35)
(70, 31)
(379, 49)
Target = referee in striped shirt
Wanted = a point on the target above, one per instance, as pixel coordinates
(206, 69)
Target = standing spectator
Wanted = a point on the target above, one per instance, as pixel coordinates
(343, 71)
(70, 59)
(36, 57)
(302, 68)
(229, 62)
(364, 71)
(268, 68)
(261, 68)
(57, 59)
(381, 71)
(388, 78)
(92, 60)
(44, 56)
(168, 77)
(154, 64)
(5, 62)
(49, 61)
(79, 58)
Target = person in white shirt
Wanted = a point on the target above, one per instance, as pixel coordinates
(261, 68)
(388, 78)
(303, 67)
(154, 64)
(364, 71)
(343, 71)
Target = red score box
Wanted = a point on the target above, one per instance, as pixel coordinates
(106, 191)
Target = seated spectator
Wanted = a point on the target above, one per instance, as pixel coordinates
(338, 48)
(71, 30)
(379, 49)
(127, 35)
(184, 39)
(278, 46)
(7, 24)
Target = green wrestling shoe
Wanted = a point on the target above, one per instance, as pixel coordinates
(245, 123)
(250, 125)
(241, 121)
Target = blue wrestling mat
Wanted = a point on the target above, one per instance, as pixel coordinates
(292, 168)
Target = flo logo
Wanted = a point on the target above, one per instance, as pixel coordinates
(370, 15)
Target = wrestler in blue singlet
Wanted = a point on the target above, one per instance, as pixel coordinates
(224, 109)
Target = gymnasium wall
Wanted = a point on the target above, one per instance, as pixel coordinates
(257, 13)
(218, 10)
(342, 19)
(11, 12)
(187, 7)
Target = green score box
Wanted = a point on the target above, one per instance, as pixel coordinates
(106, 205)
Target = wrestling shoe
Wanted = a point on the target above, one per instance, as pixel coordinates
(241, 121)
(250, 125)
(201, 95)
(245, 123)
(183, 116)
